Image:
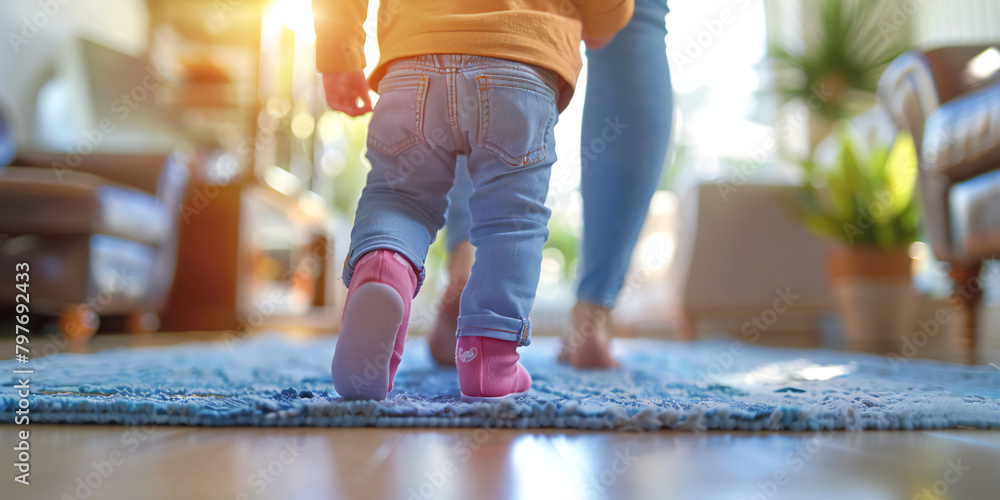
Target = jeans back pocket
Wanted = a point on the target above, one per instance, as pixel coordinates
(516, 114)
(397, 121)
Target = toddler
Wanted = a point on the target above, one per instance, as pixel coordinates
(484, 79)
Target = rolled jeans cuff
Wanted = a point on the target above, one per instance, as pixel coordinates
(496, 327)
(381, 243)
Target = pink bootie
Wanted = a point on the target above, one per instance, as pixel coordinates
(488, 369)
(376, 314)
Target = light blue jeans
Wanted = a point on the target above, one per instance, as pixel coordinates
(627, 118)
(500, 115)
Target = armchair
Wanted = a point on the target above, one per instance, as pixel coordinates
(949, 100)
(100, 237)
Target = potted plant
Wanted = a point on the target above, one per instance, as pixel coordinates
(864, 199)
(835, 70)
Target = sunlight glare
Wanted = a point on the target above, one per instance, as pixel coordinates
(295, 14)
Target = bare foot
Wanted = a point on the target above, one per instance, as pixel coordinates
(442, 347)
(586, 344)
(441, 339)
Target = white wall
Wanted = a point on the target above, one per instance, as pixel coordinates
(33, 30)
(956, 22)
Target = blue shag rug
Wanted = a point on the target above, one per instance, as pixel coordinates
(273, 381)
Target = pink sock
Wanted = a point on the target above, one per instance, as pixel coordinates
(376, 314)
(488, 368)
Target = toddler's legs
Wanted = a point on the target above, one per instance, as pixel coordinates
(508, 231)
(502, 115)
(400, 211)
(510, 163)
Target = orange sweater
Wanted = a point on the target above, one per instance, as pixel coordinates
(545, 33)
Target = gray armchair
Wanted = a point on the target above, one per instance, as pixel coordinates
(949, 100)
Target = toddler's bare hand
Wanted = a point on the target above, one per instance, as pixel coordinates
(343, 89)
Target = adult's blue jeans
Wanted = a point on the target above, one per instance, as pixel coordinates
(500, 116)
(627, 118)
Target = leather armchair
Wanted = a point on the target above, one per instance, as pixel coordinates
(949, 100)
(100, 237)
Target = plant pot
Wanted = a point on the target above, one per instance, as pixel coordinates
(871, 287)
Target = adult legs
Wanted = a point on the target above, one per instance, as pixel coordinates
(627, 119)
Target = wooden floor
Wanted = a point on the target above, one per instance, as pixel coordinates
(113, 462)
(101, 462)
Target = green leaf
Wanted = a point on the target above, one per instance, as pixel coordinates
(901, 172)
(867, 198)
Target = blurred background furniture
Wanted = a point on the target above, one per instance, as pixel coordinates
(103, 204)
(92, 199)
(949, 100)
(256, 241)
(8, 143)
(100, 238)
(772, 268)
